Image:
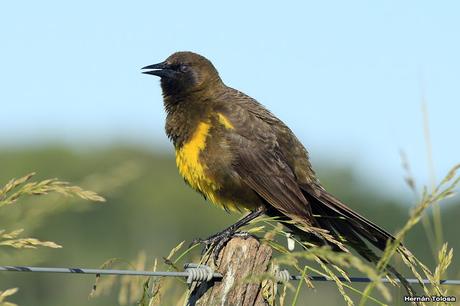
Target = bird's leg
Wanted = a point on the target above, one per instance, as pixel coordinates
(218, 241)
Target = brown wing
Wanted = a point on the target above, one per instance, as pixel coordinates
(294, 153)
(260, 165)
(258, 161)
(263, 170)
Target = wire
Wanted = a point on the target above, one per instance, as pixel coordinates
(384, 280)
(194, 272)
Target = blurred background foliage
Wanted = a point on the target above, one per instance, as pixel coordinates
(149, 209)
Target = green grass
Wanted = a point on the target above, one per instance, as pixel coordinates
(149, 209)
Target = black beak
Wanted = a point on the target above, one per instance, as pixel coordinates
(161, 69)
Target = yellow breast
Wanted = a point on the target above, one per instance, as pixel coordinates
(191, 167)
(194, 169)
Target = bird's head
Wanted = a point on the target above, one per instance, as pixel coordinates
(184, 73)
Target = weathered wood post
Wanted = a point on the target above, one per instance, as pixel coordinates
(239, 258)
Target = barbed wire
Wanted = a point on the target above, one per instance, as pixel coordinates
(199, 273)
(193, 272)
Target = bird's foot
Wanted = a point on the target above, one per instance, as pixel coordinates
(216, 242)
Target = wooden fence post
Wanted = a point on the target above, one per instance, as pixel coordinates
(238, 259)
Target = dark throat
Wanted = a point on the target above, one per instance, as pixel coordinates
(183, 114)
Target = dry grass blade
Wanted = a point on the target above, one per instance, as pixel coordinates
(154, 288)
(103, 285)
(19, 187)
(29, 243)
(11, 239)
(11, 235)
(320, 255)
(409, 177)
(16, 188)
(443, 190)
(5, 294)
(12, 184)
(130, 288)
(444, 260)
(168, 259)
(65, 189)
(288, 259)
(326, 254)
(337, 281)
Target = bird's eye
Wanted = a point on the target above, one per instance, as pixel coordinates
(183, 68)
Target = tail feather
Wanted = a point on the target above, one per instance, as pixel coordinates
(351, 228)
(361, 247)
(375, 234)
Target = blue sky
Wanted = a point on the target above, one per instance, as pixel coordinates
(347, 76)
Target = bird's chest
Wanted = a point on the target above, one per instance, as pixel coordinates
(191, 164)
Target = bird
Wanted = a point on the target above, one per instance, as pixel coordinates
(241, 157)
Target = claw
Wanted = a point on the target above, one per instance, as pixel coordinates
(195, 242)
(217, 242)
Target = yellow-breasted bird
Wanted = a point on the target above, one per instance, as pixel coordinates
(238, 155)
